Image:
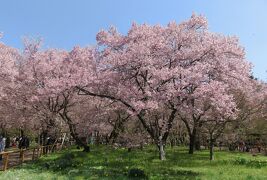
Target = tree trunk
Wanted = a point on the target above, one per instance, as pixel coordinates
(21, 132)
(79, 142)
(118, 128)
(197, 141)
(43, 137)
(191, 145)
(73, 132)
(161, 149)
(113, 136)
(75, 136)
(211, 148)
(172, 143)
(192, 141)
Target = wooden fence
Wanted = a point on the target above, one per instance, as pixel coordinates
(34, 153)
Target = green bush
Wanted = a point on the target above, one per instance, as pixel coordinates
(136, 173)
(241, 161)
(67, 160)
(250, 163)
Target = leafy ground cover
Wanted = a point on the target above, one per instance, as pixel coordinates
(107, 163)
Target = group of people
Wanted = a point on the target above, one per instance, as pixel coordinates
(246, 146)
(2, 145)
(23, 143)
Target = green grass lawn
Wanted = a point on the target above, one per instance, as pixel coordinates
(107, 163)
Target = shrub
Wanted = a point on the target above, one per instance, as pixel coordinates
(67, 160)
(136, 173)
(241, 161)
(250, 163)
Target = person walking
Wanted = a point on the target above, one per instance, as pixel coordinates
(24, 142)
(2, 145)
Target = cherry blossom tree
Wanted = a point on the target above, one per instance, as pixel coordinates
(48, 75)
(172, 67)
(8, 70)
(251, 103)
(156, 74)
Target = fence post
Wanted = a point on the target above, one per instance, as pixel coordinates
(6, 161)
(22, 156)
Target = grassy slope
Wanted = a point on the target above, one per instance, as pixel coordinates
(106, 163)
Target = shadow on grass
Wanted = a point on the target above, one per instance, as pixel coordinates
(106, 163)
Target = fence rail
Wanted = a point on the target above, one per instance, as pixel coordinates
(34, 153)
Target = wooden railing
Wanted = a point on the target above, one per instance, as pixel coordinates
(37, 152)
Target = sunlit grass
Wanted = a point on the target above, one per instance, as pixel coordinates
(107, 163)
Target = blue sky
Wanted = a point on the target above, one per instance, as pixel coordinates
(66, 23)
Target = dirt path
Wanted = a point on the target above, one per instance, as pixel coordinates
(15, 158)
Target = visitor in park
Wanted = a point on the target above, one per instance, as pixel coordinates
(241, 146)
(91, 139)
(14, 142)
(248, 147)
(258, 146)
(49, 141)
(24, 142)
(4, 142)
(7, 143)
(2, 145)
